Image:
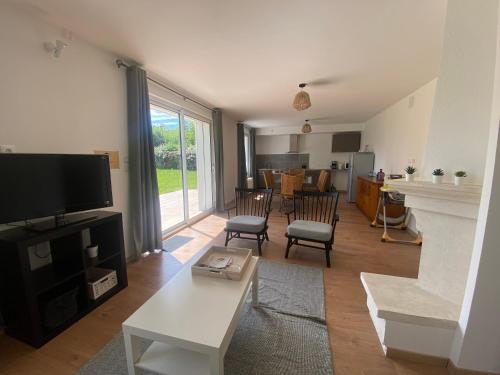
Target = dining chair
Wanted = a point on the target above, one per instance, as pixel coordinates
(314, 220)
(296, 171)
(289, 184)
(323, 182)
(269, 181)
(252, 208)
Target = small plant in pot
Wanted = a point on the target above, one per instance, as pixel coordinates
(410, 173)
(437, 176)
(460, 177)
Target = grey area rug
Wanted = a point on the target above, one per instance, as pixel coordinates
(286, 334)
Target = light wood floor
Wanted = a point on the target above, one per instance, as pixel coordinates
(355, 347)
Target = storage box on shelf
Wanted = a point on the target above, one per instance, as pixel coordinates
(100, 281)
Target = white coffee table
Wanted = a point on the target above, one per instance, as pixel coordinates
(191, 320)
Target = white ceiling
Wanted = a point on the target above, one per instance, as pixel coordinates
(248, 57)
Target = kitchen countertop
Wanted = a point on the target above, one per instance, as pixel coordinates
(311, 176)
(279, 171)
(372, 179)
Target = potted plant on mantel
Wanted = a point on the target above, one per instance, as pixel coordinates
(410, 173)
(437, 176)
(460, 177)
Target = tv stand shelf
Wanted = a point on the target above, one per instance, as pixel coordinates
(43, 294)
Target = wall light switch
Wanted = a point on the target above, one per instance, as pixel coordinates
(7, 149)
(114, 158)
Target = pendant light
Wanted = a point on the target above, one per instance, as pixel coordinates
(306, 128)
(302, 100)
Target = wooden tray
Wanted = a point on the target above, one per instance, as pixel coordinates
(240, 258)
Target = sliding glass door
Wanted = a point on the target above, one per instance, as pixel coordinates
(184, 165)
(199, 162)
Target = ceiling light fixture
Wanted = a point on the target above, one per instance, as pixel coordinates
(306, 128)
(302, 100)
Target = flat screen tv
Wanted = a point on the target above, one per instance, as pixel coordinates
(40, 185)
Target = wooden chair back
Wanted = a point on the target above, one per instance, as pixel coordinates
(290, 183)
(315, 206)
(253, 202)
(323, 180)
(269, 179)
(297, 172)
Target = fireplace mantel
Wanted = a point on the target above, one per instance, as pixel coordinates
(445, 191)
(420, 315)
(462, 201)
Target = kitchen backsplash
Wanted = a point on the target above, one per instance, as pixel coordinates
(281, 161)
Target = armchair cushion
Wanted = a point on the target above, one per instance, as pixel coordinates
(244, 223)
(313, 230)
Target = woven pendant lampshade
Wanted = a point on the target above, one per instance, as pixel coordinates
(302, 100)
(306, 128)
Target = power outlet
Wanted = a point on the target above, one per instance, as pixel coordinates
(7, 149)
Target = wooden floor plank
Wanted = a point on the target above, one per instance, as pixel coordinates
(355, 346)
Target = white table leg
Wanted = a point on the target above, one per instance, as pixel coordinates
(132, 352)
(255, 287)
(216, 363)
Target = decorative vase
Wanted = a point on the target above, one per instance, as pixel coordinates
(93, 251)
(409, 177)
(459, 181)
(437, 179)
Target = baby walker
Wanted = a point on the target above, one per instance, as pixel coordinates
(391, 196)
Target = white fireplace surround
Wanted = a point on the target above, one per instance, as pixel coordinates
(420, 315)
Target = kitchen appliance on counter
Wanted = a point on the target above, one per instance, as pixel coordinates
(360, 164)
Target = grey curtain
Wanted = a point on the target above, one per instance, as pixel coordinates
(253, 164)
(240, 144)
(144, 200)
(219, 159)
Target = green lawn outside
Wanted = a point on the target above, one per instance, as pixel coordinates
(171, 180)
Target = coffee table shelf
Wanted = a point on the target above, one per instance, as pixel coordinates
(162, 358)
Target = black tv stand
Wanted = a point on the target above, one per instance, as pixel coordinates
(41, 296)
(59, 221)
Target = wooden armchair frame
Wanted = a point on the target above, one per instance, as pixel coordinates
(314, 206)
(251, 202)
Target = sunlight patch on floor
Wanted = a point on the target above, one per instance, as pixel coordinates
(202, 233)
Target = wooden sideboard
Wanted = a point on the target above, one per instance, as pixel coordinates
(367, 198)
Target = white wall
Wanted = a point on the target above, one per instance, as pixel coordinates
(398, 134)
(74, 104)
(477, 340)
(272, 144)
(316, 128)
(458, 135)
(319, 148)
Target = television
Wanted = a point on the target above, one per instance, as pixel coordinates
(346, 142)
(40, 185)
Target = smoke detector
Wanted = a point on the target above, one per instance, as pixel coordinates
(55, 48)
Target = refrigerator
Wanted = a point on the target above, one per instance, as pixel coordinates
(360, 164)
